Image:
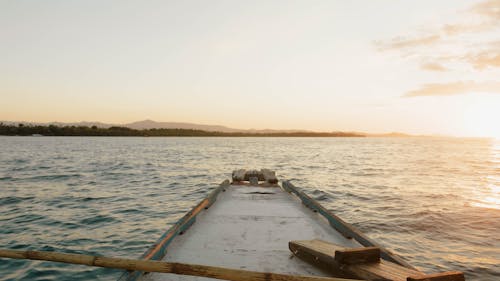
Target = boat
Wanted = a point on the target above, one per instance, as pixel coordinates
(255, 223)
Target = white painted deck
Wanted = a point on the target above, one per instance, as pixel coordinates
(245, 229)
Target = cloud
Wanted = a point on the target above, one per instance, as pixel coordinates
(490, 9)
(447, 30)
(484, 59)
(457, 29)
(403, 43)
(457, 46)
(455, 88)
(433, 66)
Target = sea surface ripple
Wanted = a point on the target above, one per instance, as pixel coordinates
(434, 201)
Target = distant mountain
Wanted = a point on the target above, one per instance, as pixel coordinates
(150, 124)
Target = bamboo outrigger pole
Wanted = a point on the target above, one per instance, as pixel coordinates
(159, 266)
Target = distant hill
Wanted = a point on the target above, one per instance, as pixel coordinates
(55, 130)
(151, 124)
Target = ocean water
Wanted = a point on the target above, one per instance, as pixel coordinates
(434, 201)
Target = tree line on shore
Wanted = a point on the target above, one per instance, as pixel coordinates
(54, 130)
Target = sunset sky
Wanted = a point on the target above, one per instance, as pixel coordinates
(420, 67)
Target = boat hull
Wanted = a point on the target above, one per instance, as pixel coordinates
(249, 227)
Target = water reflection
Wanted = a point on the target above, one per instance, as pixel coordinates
(489, 197)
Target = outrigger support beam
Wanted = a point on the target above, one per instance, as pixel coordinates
(162, 267)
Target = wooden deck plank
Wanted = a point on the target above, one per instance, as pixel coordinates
(362, 263)
(358, 255)
(443, 276)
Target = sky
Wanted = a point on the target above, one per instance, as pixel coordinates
(419, 67)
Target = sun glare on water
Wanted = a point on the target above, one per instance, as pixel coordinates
(490, 198)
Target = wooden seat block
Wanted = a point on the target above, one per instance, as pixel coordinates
(358, 255)
(254, 180)
(269, 176)
(262, 175)
(254, 173)
(443, 276)
(239, 175)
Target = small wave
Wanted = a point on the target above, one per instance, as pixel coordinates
(364, 174)
(70, 225)
(99, 219)
(27, 218)
(320, 195)
(18, 161)
(357, 196)
(445, 196)
(14, 200)
(55, 177)
(89, 199)
(42, 168)
(121, 166)
(127, 211)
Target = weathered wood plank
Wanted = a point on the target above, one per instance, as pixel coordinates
(358, 255)
(443, 276)
(324, 254)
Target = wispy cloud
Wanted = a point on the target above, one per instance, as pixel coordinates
(489, 57)
(433, 66)
(457, 29)
(488, 13)
(455, 88)
(472, 43)
(490, 8)
(402, 42)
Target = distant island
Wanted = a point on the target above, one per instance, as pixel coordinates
(21, 129)
(154, 128)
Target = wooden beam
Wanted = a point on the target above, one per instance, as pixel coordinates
(162, 267)
(443, 276)
(358, 255)
(348, 262)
